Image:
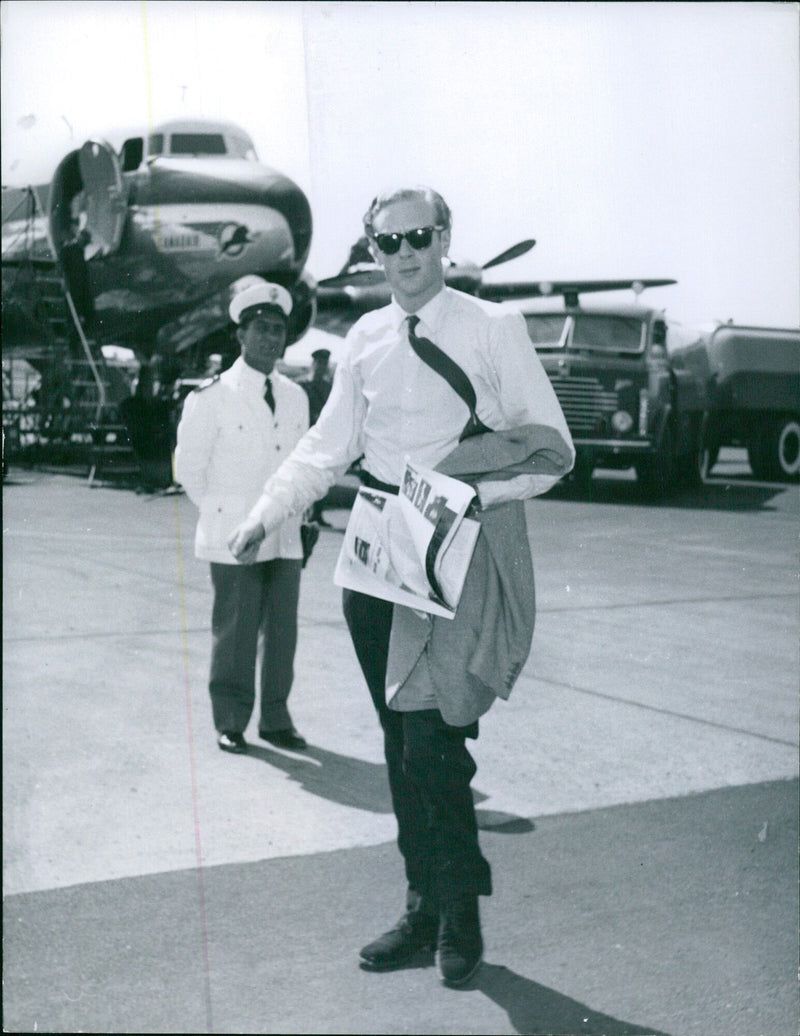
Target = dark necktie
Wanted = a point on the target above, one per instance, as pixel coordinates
(452, 374)
(269, 395)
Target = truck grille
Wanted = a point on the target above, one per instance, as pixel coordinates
(586, 404)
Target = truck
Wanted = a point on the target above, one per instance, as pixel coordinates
(640, 390)
(754, 395)
(633, 385)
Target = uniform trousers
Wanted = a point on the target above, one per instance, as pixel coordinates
(429, 770)
(254, 606)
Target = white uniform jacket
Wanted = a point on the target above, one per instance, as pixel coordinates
(229, 443)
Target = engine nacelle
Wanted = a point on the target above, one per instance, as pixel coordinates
(304, 307)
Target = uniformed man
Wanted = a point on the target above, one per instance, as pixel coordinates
(318, 387)
(235, 430)
(318, 384)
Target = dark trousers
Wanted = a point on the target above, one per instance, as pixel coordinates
(254, 606)
(429, 771)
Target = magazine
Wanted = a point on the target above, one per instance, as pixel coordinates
(413, 548)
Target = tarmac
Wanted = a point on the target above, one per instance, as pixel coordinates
(637, 796)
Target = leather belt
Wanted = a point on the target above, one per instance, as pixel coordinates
(375, 483)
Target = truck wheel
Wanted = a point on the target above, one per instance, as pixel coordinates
(701, 459)
(757, 456)
(774, 455)
(582, 474)
(656, 474)
(707, 457)
(787, 431)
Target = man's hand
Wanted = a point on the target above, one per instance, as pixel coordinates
(245, 540)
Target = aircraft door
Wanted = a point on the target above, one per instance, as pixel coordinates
(104, 196)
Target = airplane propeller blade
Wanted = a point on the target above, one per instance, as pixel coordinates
(510, 253)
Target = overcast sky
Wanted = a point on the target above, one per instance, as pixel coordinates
(631, 140)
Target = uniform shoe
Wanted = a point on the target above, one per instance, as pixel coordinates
(286, 738)
(414, 932)
(231, 741)
(460, 945)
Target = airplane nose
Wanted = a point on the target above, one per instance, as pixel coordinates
(287, 198)
(232, 183)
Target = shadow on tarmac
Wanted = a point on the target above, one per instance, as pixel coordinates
(337, 778)
(363, 785)
(533, 1008)
(718, 494)
(739, 492)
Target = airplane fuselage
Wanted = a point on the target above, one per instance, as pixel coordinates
(151, 246)
(192, 232)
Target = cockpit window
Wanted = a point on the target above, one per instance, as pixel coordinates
(231, 144)
(242, 147)
(197, 144)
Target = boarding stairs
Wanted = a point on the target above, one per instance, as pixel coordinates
(71, 418)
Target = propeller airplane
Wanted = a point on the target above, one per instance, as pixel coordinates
(151, 240)
(143, 248)
(361, 286)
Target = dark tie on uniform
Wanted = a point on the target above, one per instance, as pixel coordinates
(452, 374)
(268, 395)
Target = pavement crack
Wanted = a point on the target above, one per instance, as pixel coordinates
(668, 602)
(666, 712)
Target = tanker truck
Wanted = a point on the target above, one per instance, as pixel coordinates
(639, 390)
(754, 398)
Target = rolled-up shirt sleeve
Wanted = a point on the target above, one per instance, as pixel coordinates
(526, 397)
(323, 454)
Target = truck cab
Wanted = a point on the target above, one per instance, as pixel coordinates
(633, 386)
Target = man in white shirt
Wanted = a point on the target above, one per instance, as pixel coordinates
(386, 403)
(235, 430)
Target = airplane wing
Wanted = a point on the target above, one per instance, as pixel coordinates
(570, 290)
(341, 300)
(336, 320)
(361, 285)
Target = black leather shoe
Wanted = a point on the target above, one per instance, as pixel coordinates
(414, 932)
(460, 947)
(287, 738)
(230, 741)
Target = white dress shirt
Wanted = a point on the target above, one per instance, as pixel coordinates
(386, 403)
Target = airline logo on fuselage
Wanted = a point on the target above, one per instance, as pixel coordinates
(233, 239)
(179, 242)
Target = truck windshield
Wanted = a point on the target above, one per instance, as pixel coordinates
(599, 332)
(546, 329)
(612, 333)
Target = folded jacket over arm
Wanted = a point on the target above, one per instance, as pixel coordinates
(490, 637)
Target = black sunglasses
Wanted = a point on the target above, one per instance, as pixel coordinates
(418, 238)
